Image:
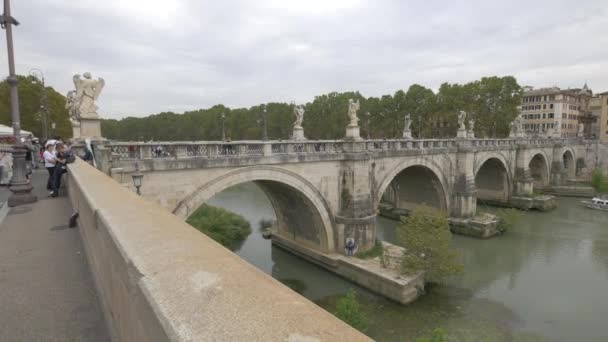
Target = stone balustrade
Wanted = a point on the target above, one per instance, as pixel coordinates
(218, 149)
(159, 279)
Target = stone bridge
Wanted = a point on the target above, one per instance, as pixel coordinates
(324, 192)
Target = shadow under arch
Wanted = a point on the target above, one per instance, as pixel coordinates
(539, 169)
(493, 179)
(568, 159)
(415, 182)
(303, 215)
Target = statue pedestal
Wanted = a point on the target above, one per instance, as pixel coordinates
(298, 133)
(407, 134)
(471, 135)
(462, 133)
(75, 130)
(352, 133)
(90, 128)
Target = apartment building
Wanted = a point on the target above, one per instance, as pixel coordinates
(544, 108)
(599, 106)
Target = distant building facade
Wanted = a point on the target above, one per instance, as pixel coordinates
(545, 108)
(599, 106)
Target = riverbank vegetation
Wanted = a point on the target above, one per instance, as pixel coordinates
(599, 181)
(221, 225)
(376, 251)
(426, 236)
(349, 310)
(491, 101)
(508, 218)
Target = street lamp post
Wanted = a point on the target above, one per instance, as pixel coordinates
(264, 113)
(137, 179)
(20, 186)
(223, 116)
(39, 75)
(368, 115)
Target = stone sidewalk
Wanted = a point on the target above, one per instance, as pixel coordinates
(46, 290)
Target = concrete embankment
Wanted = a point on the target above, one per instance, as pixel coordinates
(159, 279)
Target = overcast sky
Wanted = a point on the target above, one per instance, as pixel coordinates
(163, 55)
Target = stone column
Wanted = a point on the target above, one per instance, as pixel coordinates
(464, 198)
(356, 218)
(558, 172)
(523, 182)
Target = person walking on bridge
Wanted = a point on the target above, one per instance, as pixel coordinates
(50, 161)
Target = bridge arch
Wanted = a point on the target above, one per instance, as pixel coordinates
(568, 158)
(302, 213)
(539, 168)
(422, 173)
(493, 178)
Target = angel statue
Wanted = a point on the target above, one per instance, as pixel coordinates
(353, 107)
(72, 106)
(471, 125)
(299, 112)
(87, 92)
(462, 115)
(408, 123)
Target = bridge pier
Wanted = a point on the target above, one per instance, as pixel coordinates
(356, 218)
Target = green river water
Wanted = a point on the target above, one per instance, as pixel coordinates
(544, 280)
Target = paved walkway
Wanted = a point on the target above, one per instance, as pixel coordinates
(46, 289)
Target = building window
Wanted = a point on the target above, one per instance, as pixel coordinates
(551, 106)
(544, 116)
(550, 115)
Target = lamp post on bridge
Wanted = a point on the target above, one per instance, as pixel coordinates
(264, 114)
(137, 179)
(44, 106)
(20, 186)
(223, 116)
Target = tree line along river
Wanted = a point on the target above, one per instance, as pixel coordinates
(544, 280)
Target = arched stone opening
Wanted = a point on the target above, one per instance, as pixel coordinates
(301, 212)
(568, 163)
(539, 170)
(492, 181)
(416, 186)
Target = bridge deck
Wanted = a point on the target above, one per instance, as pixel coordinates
(46, 289)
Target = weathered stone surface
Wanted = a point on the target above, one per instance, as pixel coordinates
(159, 279)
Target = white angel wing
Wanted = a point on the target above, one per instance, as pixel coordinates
(98, 87)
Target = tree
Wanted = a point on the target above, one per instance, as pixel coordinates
(420, 102)
(221, 225)
(426, 236)
(32, 115)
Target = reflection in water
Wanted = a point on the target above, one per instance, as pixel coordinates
(543, 280)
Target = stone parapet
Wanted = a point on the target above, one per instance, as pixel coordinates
(159, 279)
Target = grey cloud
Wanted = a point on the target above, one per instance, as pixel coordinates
(240, 53)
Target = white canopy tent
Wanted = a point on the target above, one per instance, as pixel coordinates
(8, 131)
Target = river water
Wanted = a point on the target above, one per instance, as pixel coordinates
(544, 280)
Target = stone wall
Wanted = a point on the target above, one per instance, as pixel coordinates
(159, 279)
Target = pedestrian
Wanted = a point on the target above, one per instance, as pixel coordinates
(60, 160)
(50, 161)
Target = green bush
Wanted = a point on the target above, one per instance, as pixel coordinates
(426, 236)
(599, 181)
(348, 309)
(508, 218)
(376, 251)
(223, 226)
(438, 335)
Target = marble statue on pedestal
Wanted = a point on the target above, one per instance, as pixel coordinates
(407, 133)
(298, 130)
(462, 130)
(517, 130)
(81, 106)
(352, 130)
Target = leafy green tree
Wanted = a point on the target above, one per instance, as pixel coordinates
(421, 103)
(426, 236)
(30, 102)
(599, 181)
(348, 309)
(221, 225)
